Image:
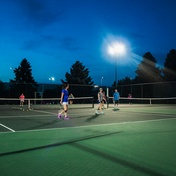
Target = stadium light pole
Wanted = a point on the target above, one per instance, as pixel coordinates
(101, 80)
(11, 68)
(52, 79)
(116, 49)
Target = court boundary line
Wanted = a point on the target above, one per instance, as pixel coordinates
(24, 116)
(7, 127)
(149, 113)
(88, 126)
(47, 112)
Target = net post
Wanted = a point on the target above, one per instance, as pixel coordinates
(92, 102)
(35, 95)
(150, 101)
(107, 102)
(29, 104)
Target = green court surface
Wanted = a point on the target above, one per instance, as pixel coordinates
(132, 141)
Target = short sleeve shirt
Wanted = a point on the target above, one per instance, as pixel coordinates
(65, 97)
(116, 96)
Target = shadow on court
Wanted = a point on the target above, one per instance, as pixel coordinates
(59, 143)
(75, 143)
(92, 118)
(19, 120)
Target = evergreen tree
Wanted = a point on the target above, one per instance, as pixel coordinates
(23, 81)
(2, 88)
(114, 85)
(125, 81)
(79, 75)
(147, 70)
(169, 70)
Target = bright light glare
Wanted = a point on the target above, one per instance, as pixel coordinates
(116, 49)
(52, 79)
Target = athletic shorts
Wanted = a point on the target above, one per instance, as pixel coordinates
(65, 103)
(102, 101)
(116, 101)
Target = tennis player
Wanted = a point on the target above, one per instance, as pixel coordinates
(22, 97)
(116, 97)
(101, 102)
(64, 102)
(71, 100)
(104, 100)
(129, 98)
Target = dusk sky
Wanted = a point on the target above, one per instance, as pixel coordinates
(53, 34)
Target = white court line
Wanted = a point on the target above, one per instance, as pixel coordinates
(46, 112)
(7, 127)
(88, 126)
(22, 116)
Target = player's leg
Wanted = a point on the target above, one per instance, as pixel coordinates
(98, 108)
(114, 104)
(101, 105)
(22, 102)
(61, 112)
(66, 109)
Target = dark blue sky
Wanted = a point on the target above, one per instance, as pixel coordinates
(53, 34)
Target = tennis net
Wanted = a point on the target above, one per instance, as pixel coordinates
(45, 103)
(149, 101)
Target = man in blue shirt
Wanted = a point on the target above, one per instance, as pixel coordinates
(116, 97)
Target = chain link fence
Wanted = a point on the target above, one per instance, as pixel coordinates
(145, 90)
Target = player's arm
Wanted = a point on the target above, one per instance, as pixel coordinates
(62, 95)
(113, 98)
(98, 97)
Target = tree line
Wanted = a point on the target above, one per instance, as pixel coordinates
(147, 72)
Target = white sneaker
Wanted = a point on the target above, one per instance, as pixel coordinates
(96, 112)
(102, 112)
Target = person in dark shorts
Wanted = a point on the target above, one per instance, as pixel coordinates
(116, 97)
(100, 101)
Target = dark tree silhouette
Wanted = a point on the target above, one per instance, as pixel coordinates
(169, 70)
(147, 70)
(23, 81)
(79, 80)
(79, 74)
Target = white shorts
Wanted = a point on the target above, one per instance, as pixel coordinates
(65, 103)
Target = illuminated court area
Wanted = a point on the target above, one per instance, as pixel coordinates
(132, 140)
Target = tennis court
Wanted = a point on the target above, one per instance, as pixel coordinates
(134, 140)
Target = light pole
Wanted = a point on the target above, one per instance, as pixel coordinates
(11, 68)
(101, 80)
(52, 79)
(115, 50)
